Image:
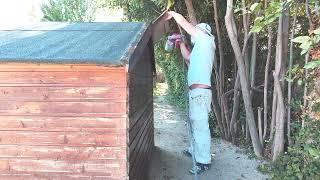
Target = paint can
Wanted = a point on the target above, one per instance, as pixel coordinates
(169, 45)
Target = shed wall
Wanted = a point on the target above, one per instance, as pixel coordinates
(141, 138)
(62, 122)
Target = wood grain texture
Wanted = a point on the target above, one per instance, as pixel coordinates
(62, 93)
(73, 77)
(141, 128)
(62, 121)
(102, 139)
(54, 176)
(68, 153)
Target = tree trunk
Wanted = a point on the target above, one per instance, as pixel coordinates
(220, 88)
(311, 26)
(260, 125)
(221, 53)
(253, 60)
(245, 20)
(236, 95)
(305, 89)
(279, 134)
(290, 76)
(235, 108)
(243, 79)
(217, 112)
(266, 80)
(191, 13)
(281, 54)
(273, 115)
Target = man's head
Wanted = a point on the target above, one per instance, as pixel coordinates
(204, 27)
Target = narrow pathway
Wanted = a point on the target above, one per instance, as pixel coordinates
(171, 138)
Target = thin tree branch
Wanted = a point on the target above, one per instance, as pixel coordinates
(290, 74)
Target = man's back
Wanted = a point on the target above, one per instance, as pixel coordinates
(201, 60)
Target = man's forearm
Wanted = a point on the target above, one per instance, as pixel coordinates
(181, 21)
(185, 52)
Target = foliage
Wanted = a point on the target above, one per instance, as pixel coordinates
(137, 10)
(307, 42)
(303, 159)
(312, 65)
(69, 10)
(270, 14)
(172, 66)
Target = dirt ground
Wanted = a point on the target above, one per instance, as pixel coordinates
(171, 137)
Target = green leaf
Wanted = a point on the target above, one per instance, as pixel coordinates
(254, 7)
(289, 80)
(258, 19)
(313, 152)
(301, 39)
(312, 65)
(237, 10)
(271, 19)
(256, 29)
(316, 39)
(300, 82)
(170, 3)
(305, 46)
(304, 51)
(317, 31)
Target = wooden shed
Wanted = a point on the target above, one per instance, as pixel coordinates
(76, 101)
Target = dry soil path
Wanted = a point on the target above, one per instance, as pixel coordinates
(171, 138)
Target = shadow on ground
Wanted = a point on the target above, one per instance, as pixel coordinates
(171, 138)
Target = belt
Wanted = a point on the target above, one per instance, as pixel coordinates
(201, 86)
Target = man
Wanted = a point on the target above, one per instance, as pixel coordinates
(200, 61)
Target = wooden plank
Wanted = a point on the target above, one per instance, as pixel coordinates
(160, 27)
(30, 67)
(55, 85)
(63, 138)
(66, 153)
(112, 78)
(113, 168)
(66, 114)
(63, 130)
(55, 176)
(61, 93)
(46, 123)
(136, 115)
(137, 161)
(21, 108)
(139, 140)
(142, 120)
(144, 160)
(147, 157)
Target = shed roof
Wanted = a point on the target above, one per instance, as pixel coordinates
(53, 42)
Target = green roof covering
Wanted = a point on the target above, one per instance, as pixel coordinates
(49, 42)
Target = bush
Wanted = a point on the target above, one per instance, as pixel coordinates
(69, 10)
(172, 67)
(302, 161)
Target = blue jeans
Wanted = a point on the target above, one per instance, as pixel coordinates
(199, 108)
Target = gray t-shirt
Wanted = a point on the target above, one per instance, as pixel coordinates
(201, 59)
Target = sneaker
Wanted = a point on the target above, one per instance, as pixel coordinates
(187, 153)
(200, 168)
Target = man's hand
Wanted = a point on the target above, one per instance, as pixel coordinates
(169, 15)
(174, 37)
(181, 21)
